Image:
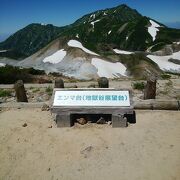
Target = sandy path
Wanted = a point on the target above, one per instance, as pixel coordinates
(148, 150)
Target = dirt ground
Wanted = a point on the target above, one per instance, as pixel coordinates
(147, 150)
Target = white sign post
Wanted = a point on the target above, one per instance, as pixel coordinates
(117, 103)
(92, 98)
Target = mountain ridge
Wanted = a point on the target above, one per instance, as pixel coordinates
(117, 27)
(115, 42)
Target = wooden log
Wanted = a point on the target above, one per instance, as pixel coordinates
(59, 83)
(150, 89)
(143, 105)
(20, 91)
(103, 82)
(157, 105)
(165, 105)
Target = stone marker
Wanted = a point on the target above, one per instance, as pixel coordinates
(103, 82)
(150, 89)
(64, 120)
(20, 91)
(70, 102)
(119, 121)
(59, 83)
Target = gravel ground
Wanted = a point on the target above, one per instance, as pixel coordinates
(32, 147)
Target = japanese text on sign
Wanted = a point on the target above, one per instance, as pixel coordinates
(91, 98)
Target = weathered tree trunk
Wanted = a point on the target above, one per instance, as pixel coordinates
(20, 91)
(59, 83)
(157, 105)
(150, 89)
(103, 82)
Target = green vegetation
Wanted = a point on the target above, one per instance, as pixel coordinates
(29, 40)
(158, 46)
(49, 90)
(129, 31)
(138, 85)
(168, 35)
(165, 76)
(35, 90)
(33, 71)
(10, 74)
(13, 55)
(5, 93)
(174, 73)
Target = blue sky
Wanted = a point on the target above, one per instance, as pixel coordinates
(16, 14)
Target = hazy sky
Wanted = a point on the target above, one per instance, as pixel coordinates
(16, 14)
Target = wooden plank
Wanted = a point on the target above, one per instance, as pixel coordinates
(92, 110)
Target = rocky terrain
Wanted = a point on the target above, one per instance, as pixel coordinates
(166, 90)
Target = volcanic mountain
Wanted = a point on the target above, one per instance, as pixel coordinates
(113, 42)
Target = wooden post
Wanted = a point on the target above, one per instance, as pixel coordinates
(103, 82)
(59, 83)
(20, 91)
(119, 121)
(150, 89)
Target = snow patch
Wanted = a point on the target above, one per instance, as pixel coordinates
(2, 64)
(3, 51)
(105, 14)
(122, 52)
(93, 16)
(108, 69)
(77, 44)
(164, 64)
(94, 22)
(77, 35)
(55, 58)
(176, 42)
(109, 32)
(154, 24)
(127, 38)
(153, 29)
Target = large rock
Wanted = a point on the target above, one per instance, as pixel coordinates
(167, 50)
(82, 121)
